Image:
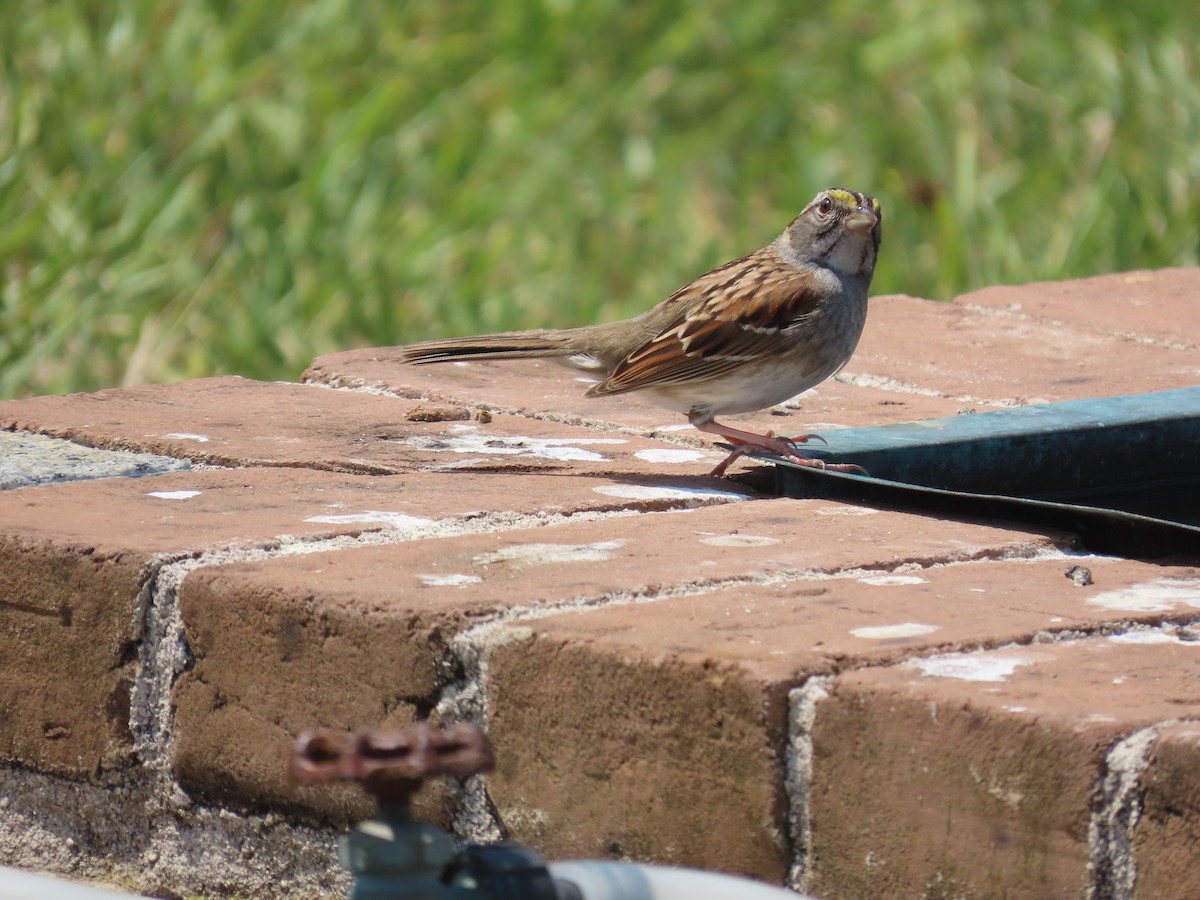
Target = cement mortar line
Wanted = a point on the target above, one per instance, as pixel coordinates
(1112, 865)
(118, 833)
(802, 714)
(864, 380)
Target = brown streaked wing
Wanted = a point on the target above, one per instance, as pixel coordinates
(740, 319)
(659, 363)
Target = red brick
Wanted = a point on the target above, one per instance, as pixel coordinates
(1166, 841)
(957, 350)
(237, 422)
(546, 390)
(789, 630)
(75, 557)
(340, 638)
(606, 752)
(977, 775)
(1155, 305)
(603, 718)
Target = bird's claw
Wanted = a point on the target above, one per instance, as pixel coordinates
(786, 448)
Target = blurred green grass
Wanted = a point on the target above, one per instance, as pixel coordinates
(189, 188)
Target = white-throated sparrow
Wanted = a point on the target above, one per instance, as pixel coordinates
(748, 335)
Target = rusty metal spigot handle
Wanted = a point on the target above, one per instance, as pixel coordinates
(392, 765)
(395, 857)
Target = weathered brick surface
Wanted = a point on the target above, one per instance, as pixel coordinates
(74, 559)
(1157, 305)
(978, 775)
(269, 664)
(605, 751)
(68, 642)
(962, 350)
(1168, 831)
(636, 635)
(238, 422)
(620, 711)
(362, 634)
(546, 389)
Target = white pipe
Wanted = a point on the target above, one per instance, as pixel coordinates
(18, 885)
(598, 880)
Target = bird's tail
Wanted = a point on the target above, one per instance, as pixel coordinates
(511, 345)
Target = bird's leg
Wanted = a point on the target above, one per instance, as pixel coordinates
(733, 456)
(772, 443)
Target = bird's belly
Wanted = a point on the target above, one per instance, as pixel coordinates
(752, 389)
(774, 379)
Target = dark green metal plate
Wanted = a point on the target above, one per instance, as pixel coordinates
(1121, 472)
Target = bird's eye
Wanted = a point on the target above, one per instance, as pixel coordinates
(826, 205)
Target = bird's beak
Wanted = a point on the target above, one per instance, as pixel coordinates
(862, 219)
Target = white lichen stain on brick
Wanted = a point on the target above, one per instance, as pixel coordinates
(892, 580)
(1149, 637)
(524, 555)
(397, 520)
(888, 632)
(1008, 795)
(484, 444)
(846, 511)
(669, 455)
(650, 492)
(740, 540)
(455, 580)
(973, 667)
(1159, 595)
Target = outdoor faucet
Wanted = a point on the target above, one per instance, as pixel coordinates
(394, 857)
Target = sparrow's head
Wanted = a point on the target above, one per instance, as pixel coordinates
(839, 229)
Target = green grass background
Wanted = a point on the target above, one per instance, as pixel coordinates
(234, 186)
